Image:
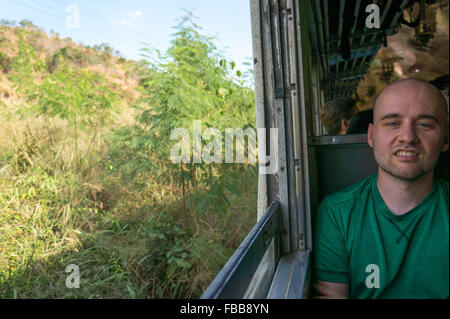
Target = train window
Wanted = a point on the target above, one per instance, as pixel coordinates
(127, 146)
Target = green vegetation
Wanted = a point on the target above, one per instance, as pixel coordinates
(85, 175)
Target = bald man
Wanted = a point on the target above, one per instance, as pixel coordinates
(388, 236)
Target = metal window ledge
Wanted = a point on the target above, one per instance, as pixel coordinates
(291, 277)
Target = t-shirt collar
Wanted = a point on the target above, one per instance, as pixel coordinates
(381, 207)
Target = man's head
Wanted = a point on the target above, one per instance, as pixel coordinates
(409, 129)
(336, 114)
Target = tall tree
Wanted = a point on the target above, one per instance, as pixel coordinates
(191, 82)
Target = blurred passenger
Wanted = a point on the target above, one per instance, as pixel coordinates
(359, 123)
(336, 114)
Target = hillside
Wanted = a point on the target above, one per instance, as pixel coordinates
(28, 53)
(84, 173)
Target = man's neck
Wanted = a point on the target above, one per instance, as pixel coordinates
(401, 196)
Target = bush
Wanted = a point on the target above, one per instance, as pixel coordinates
(6, 22)
(28, 24)
(52, 65)
(74, 55)
(5, 62)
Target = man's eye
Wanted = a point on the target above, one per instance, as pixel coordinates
(392, 124)
(425, 125)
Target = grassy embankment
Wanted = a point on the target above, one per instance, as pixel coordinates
(62, 199)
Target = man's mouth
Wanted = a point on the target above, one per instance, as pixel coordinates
(406, 155)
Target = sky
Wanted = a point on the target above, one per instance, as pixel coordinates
(126, 24)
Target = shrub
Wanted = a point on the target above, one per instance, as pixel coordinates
(5, 62)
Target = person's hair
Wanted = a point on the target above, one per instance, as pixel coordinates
(441, 83)
(334, 111)
(359, 123)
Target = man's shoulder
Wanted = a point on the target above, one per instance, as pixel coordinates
(443, 186)
(353, 192)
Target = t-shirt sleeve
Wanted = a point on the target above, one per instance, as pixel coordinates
(330, 258)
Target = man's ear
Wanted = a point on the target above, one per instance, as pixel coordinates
(344, 126)
(370, 135)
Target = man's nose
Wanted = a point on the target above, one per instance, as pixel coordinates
(408, 134)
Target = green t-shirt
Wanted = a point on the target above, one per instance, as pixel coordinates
(358, 241)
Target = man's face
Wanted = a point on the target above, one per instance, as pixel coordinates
(409, 130)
